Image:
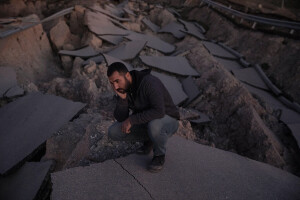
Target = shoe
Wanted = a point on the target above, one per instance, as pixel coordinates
(157, 164)
(146, 148)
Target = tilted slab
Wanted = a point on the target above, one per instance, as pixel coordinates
(113, 39)
(289, 116)
(8, 79)
(190, 88)
(217, 50)
(195, 171)
(129, 12)
(14, 91)
(295, 129)
(26, 182)
(101, 10)
(110, 60)
(97, 59)
(107, 180)
(174, 28)
(203, 119)
(192, 29)
(128, 51)
(100, 25)
(265, 96)
(150, 25)
(177, 65)
(28, 122)
(172, 84)
(229, 64)
(152, 42)
(85, 52)
(250, 76)
(114, 10)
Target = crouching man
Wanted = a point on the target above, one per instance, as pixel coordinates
(144, 112)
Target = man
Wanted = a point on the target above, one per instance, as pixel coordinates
(144, 112)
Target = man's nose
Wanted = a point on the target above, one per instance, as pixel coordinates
(116, 86)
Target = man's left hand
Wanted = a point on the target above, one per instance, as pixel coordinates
(126, 125)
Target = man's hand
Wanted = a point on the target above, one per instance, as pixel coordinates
(126, 125)
(121, 95)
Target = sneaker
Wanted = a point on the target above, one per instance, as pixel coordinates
(157, 163)
(146, 148)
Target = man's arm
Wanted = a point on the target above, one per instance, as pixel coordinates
(154, 90)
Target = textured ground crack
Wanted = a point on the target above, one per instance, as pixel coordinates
(135, 179)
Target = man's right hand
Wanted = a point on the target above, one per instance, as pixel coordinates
(121, 95)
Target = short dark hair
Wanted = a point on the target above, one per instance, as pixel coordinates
(116, 66)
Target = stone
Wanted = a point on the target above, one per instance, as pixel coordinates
(90, 39)
(161, 17)
(60, 34)
(67, 63)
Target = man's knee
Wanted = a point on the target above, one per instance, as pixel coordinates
(114, 131)
(154, 127)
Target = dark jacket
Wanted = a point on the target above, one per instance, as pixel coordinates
(147, 98)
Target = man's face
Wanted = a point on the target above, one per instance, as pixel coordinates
(119, 82)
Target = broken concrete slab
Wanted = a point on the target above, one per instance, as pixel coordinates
(100, 25)
(26, 182)
(129, 12)
(107, 180)
(85, 52)
(128, 50)
(174, 64)
(174, 28)
(150, 25)
(173, 86)
(28, 122)
(265, 96)
(250, 76)
(203, 119)
(109, 60)
(97, 59)
(234, 52)
(173, 11)
(14, 91)
(113, 39)
(192, 29)
(218, 51)
(190, 88)
(213, 170)
(152, 42)
(295, 129)
(229, 64)
(289, 116)
(58, 14)
(101, 10)
(116, 11)
(8, 79)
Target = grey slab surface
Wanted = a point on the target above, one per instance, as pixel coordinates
(100, 25)
(28, 122)
(192, 29)
(129, 12)
(109, 60)
(265, 96)
(173, 64)
(106, 180)
(150, 25)
(113, 39)
(25, 183)
(8, 79)
(174, 28)
(295, 129)
(101, 10)
(217, 50)
(114, 10)
(152, 42)
(195, 171)
(229, 64)
(190, 88)
(172, 84)
(289, 116)
(14, 91)
(250, 76)
(128, 51)
(97, 59)
(85, 52)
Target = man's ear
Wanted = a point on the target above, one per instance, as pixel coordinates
(128, 76)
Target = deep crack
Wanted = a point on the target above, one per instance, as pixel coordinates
(135, 179)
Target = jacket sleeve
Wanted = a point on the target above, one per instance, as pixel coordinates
(154, 90)
(121, 112)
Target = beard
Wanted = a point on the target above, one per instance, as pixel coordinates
(126, 87)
